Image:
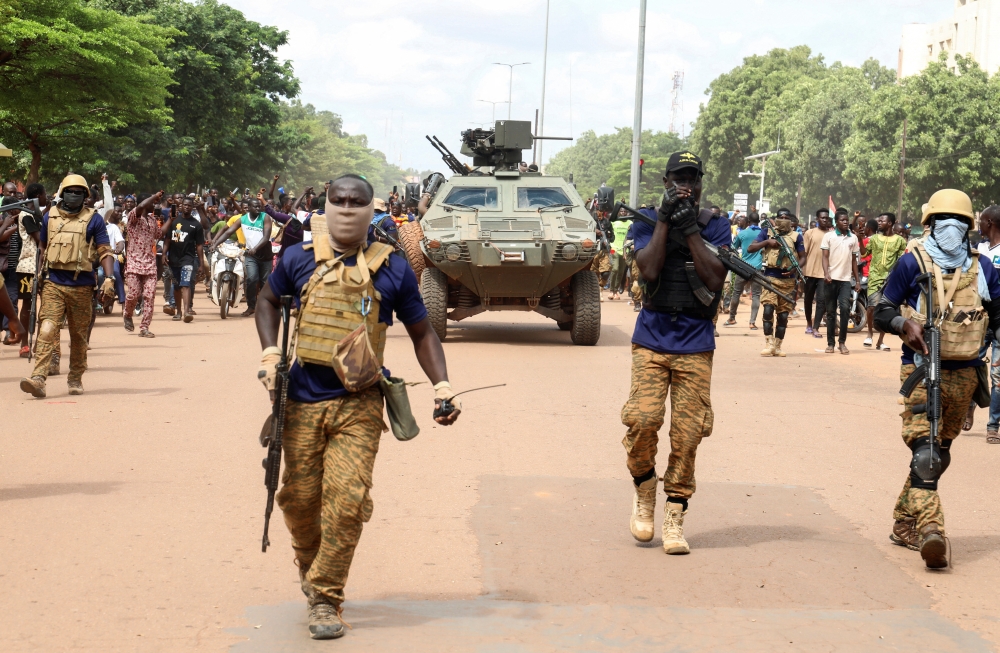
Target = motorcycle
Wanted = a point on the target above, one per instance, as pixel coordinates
(857, 319)
(227, 277)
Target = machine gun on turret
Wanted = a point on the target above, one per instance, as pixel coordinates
(499, 148)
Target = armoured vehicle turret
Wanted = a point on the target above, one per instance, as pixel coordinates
(498, 238)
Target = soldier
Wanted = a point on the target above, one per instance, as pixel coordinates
(968, 283)
(781, 272)
(672, 347)
(73, 237)
(345, 281)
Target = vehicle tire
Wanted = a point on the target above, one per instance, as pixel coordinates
(857, 320)
(586, 327)
(434, 288)
(565, 326)
(410, 235)
(224, 293)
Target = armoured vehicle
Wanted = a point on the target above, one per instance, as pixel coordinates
(496, 238)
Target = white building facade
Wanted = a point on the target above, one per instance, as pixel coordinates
(967, 33)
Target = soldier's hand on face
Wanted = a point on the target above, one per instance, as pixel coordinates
(668, 203)
(913, 335)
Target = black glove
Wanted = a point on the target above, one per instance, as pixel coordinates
(685, 219)
(668, 204)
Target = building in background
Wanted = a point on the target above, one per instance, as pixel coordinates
(968, 32)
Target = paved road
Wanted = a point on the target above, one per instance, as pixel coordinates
(130, 517)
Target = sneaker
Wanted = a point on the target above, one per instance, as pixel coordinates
(35, 386)
(904, 533)
(54, 364)
(673, 530)
(325, 621)
(933, 547)
(643, 508)
(75, 387)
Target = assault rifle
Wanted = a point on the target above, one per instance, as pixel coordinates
(450, 159)
(786, 251)
(380, 232)
(926, 463)
(726, 256)
(272, 439)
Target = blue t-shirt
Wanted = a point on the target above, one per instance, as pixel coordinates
(676, 334)
(97, 233)
(396, 283)
(742, 241)
(900, 288)
(800, 247)
(386, 224)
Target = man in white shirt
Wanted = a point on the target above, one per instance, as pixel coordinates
(113, 218)
(840, 268)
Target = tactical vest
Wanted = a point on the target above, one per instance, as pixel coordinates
(775, 258)
(68, 248)
(963, 320)
(674, 290)
(336, 301)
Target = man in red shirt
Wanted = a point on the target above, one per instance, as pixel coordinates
(142, 232)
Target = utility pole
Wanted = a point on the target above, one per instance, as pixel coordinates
(902, 174)
(510, 83)
(763, 168)
(633, 187)
(540, 122)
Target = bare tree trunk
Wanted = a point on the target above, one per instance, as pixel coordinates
(36, 159)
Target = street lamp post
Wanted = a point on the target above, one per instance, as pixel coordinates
(494, 107)
(763, 167)
(510, 83)
(633, 186)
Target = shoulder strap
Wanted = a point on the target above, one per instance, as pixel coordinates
(377, 254)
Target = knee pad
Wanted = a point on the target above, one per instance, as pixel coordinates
(926, 467)
(782, 323)
(768, 312)
(48, 331)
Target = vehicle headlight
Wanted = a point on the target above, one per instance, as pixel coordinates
(570, 252)
(453, 252)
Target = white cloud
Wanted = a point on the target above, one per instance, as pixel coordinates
(396, 70)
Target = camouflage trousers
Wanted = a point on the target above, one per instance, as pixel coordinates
(76, 304)
(786, 286)
(688, 378)
(957, 387)
(329, 450)
(635, 291)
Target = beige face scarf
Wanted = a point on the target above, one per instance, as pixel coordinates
(325, 242)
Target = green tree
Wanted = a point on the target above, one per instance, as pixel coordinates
(953, 137)
(607, 159)
(70, 73)
(226, 107)
(727, 125)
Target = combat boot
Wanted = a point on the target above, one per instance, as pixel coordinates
(933, 547)
(777, 348)
(324, 620)
(75, 387)
(768, 349)
(643, 509)
(54, 364)
(904, 533)
(673, 530)
(35, 386)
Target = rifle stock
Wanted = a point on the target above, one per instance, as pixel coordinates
(272, 464)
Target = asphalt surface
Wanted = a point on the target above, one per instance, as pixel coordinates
(130, 517)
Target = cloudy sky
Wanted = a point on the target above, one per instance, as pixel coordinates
(397, 70)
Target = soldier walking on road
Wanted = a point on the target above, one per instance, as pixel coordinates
(672, 347)
(781, 272)
(345, 281)
(968, 284)
(73, 238)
